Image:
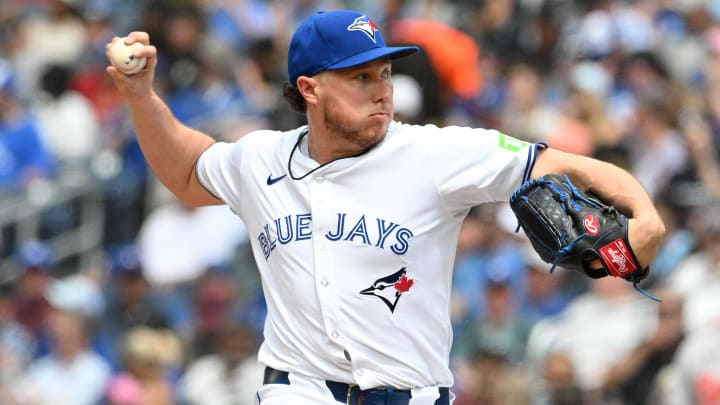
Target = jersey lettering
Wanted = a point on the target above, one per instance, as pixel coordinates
(287, 237)
(303, 226)
(338, 233)
(359, 230)
(267, 243)
(293, 228)
(384, 232)
(403, 236)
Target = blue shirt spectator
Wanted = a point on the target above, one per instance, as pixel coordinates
(22, 154)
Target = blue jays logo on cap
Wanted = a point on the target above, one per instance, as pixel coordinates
(330, 40)
(364, 25)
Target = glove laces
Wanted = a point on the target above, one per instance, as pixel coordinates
(634, 280)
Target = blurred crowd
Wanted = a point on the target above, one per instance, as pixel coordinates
(171, 312)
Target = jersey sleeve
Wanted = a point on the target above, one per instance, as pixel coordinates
(217, 170)
(472, 166)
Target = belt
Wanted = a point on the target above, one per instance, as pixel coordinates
(353, 395)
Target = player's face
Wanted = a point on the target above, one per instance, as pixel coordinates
(357, 103)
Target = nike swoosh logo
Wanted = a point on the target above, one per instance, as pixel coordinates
(271, 180)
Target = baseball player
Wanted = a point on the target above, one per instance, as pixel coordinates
(354, 217)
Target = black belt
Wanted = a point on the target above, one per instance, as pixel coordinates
(352, 394)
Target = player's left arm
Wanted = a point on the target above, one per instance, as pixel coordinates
(615, 186)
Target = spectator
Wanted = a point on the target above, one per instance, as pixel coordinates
(214, 307)
(16, 344)
(178, 243)
(501, 327)
(131, 302)
(71, 371)
(483, 250)
(633, 378)
(657, 148)
(23, 156)
(149, 356)
(545, 295)
(589, 84)
(558, 383)
(685, 52)
(62, 111)
(492, 379)
(56, 34)
(597, 329)
(230, 376)
(640, 76)
(36, 261)
(529, 112)
(238, 24)
(697, 367)
(453, 54)
(697, 276)
(678, 243)
(497, 27)
(703, 153)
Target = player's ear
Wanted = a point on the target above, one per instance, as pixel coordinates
(307, 86)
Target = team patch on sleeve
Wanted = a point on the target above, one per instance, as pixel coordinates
(510, 143)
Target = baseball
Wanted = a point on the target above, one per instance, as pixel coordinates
(122, 58)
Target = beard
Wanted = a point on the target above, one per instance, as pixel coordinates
(361, 136)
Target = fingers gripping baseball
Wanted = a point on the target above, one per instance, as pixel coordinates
(132, 61)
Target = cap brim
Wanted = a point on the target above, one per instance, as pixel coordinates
(393, 52)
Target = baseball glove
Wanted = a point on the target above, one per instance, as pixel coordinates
(570, 228)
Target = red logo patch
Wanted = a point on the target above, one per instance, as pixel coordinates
(617, 258)
(591, 224)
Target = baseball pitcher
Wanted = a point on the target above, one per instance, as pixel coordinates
(354, 218)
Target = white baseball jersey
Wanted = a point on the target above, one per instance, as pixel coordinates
(356, 258)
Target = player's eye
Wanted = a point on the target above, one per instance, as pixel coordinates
(386, 74)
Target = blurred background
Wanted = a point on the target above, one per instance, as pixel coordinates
(112, 292)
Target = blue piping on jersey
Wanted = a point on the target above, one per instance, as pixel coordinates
(532, 156)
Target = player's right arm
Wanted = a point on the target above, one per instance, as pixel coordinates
(171, 148)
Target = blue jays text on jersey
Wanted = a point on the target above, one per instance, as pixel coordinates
(298, 227)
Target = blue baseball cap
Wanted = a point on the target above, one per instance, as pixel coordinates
(35, 254)
(336, 40)
(124, 259)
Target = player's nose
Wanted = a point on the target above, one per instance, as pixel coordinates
(382, 91)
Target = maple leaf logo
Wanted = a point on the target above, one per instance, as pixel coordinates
(404, 284)
(400, 284)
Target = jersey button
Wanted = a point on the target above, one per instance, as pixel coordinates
(335, 335)
(319, 179)
(360, 372)
(324, 282)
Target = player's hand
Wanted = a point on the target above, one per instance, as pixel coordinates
(140, 83)
(645, 233)
(644, 243)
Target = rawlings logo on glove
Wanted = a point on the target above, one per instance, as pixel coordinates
(570, 228)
